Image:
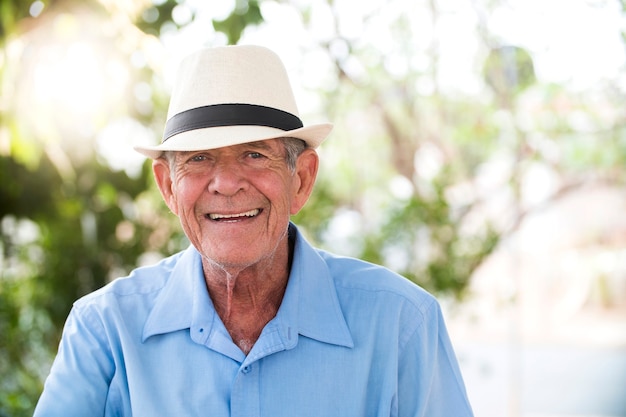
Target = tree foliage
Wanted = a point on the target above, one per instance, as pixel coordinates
(246, 13)
(442, 144)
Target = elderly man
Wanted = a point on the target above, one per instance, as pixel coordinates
(250, 320)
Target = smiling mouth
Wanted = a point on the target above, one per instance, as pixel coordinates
(233, 217)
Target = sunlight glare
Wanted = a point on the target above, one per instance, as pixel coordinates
(71, 81)
(115, 137)
(36, 8)
(74, 82)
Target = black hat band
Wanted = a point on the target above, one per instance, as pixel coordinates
(217, 115)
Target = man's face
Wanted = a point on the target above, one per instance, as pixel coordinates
(234, 203)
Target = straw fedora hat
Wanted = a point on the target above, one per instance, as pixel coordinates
(231, 95)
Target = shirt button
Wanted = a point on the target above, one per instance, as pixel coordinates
(246, 369)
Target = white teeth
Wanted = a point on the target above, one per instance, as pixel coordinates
(250, 213)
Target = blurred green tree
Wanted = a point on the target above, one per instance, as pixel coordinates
(397, 124)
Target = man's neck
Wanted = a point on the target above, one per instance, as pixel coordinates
(247, 299)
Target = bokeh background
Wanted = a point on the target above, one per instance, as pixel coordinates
(479, 149)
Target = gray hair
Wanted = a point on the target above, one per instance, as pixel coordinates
(293, 148)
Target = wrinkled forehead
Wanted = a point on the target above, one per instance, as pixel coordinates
(275, 145)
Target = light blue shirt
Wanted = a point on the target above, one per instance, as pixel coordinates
(350, 339)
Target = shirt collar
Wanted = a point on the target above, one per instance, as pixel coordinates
(310, 306)
(311, 301)
(173, 310)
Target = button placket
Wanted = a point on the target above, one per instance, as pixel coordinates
(245, 401)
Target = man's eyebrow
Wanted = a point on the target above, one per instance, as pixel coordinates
(260, 144)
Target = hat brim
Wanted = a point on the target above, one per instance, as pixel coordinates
(218, 137)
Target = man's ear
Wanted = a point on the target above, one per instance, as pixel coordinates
(161, 171)
(306, 172)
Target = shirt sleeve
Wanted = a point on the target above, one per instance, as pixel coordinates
(80, 376)
(429, 379)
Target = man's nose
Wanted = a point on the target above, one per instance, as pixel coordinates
(227, 179)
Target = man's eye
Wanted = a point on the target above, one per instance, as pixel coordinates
(198, 158)
(255, 155)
